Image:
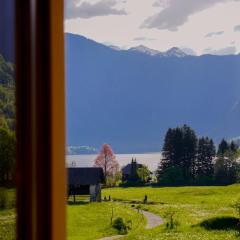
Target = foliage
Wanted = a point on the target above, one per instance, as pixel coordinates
(172, 176)
(7, 95)
(188, 160)
(204, 162)
(226, 169)
(143, 174)
(182, 151)
(3, 198)
(114, 179)
(179, 150)
(107, 161)
(220, 223)
(223, 147)
(120, 225)
(7, 155)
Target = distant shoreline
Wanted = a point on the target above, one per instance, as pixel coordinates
(67, 154)
(87, 160)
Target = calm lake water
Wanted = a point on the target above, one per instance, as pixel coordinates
(150, 159)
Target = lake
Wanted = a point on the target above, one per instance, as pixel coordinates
(149, 159)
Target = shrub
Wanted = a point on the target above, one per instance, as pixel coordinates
(220, 223)
(3, 198)
(120, 225)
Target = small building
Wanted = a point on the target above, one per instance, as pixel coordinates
(129, 172)
(85, 181)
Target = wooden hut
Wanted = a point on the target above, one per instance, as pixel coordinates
(85, 181)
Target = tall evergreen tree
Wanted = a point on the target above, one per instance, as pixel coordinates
(179, 150)
(205, 155)
(223, 147)
(233, 147)
(189, 152)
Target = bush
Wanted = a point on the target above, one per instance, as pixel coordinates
(3, 198)
(220, 223)
(120, 225)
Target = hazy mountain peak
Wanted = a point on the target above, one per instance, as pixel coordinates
(175, 52)
(172, 52)
(146, 50)
(114, 47)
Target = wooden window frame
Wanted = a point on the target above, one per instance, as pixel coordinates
(40, 106)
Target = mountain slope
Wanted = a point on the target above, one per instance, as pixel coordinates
(7, 94)
(129, 99)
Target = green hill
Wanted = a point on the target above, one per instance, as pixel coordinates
(7, 94)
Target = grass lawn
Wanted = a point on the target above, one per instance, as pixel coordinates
(91, 221)
(192, 205)
(8, 217)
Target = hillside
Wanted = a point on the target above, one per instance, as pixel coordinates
(7, 94)
(129, 98)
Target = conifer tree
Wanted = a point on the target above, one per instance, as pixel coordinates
(179, 151)
(205, 157)
(223, 147)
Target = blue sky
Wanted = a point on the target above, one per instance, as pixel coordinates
(197, 26)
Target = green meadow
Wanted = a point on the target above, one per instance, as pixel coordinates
(200, 213)
(7, 215)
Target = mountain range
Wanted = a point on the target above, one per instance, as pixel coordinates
(129, 98)
(172, 52)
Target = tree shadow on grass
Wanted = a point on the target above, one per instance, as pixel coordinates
(220, 223)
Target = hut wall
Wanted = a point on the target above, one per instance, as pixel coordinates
(95, 193)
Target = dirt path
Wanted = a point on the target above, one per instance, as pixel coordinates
(113, 237)
(153, 220)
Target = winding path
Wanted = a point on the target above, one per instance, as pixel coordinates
(153, 220)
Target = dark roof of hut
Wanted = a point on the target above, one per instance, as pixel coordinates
(127, 169)
(85, 176)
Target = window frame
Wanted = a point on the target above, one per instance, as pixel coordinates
(40, 103)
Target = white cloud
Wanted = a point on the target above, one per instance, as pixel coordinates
(143, 39)
(212, 34)
(124, 30)
(177, 12)
(223, 51)
(87, 9)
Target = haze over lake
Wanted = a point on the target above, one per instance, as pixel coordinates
(87, 160)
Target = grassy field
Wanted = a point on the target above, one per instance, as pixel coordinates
(91, 221)
(192, 206)
(8, 217)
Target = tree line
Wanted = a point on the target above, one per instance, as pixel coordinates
(188, 159)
